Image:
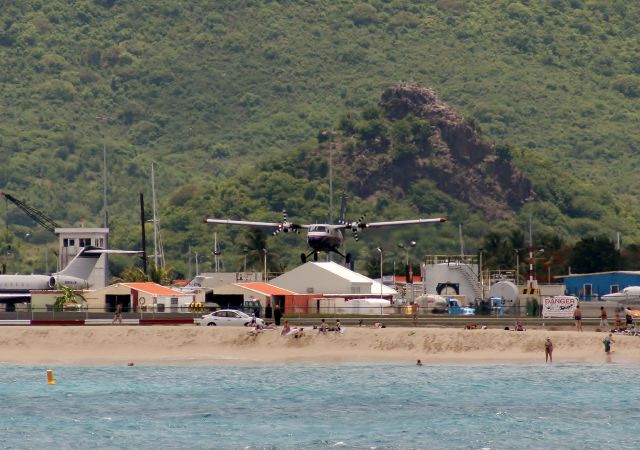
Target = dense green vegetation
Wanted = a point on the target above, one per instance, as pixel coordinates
(229, 99)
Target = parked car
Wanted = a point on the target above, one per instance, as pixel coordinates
(228, 317)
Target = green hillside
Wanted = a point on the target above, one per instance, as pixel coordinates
(206, 90)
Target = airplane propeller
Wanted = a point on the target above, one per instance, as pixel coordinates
(357, 226)
(286, 226)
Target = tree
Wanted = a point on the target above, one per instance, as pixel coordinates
(594, 254)
(256, 242)
(156, 274)
(68, 297)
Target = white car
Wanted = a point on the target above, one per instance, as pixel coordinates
(228, 317)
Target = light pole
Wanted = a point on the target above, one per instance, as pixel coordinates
(480, 274)
(245, 250)
(517, 250)
(381, 252)
(408, 270)
(264, 251)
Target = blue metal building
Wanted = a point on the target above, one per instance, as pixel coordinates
(591, 286)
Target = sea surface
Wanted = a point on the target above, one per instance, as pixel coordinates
(536, 406)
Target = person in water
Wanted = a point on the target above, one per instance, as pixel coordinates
(419, 363)
(607, 343)
(548, 350)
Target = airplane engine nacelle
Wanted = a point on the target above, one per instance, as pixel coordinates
(51, 283)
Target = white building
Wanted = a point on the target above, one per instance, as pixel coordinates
(72, 240)
(330, 279)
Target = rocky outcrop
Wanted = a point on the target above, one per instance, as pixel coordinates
(460, 162)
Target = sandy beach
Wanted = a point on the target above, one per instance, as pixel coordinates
(184, 345)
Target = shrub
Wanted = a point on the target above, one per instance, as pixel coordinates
(58, 90)
(629, 85)
(363, 14)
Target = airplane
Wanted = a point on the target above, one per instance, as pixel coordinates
(323, 237)
(75, 275)
(629, 295)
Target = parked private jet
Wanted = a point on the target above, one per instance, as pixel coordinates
(324, 237)
(75, 275)
(629, 295)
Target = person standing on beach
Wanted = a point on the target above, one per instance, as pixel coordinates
(577, 315)
(277, 314)
(117, 318)
(548, 350)
(603, 317)
(268, 311)
(414, 313)
(607, 343)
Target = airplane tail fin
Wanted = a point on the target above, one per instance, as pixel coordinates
(82, 264)
(343, 209)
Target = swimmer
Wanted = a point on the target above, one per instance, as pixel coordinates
(419, 363)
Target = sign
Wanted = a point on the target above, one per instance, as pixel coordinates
(559, 306)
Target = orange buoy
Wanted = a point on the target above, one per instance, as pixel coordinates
(50, 379)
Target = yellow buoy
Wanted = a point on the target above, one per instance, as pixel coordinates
(50, 379)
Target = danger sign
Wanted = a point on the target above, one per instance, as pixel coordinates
(559, 306)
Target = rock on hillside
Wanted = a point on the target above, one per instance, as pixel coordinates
(458, 160)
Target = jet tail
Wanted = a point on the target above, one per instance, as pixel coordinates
(82, 264)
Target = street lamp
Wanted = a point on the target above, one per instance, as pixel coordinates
(381, 252)
(408, 270)
(245, 250)
(517, 250)
(264, 251)
(480, 275)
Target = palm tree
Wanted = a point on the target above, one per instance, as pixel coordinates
(255, 241)
(68, 296)
(159, 274)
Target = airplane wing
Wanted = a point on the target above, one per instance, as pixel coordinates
(15, 295)
(245, 223)
(279, 226)
(114, 252)
(402, 222)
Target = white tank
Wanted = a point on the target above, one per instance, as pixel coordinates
(505, 290)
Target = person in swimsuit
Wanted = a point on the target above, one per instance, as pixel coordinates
(285, 329)
(577, 315)
(603, 317)
(548, 350)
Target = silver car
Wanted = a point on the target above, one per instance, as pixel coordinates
(229, 317)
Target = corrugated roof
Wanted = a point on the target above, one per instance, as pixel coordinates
(342, 271)
(574, 275)
(153, 289)
(353, 277)
(265, 288)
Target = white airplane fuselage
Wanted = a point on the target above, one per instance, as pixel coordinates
(324, 238)
(26, 283)
(629, 295)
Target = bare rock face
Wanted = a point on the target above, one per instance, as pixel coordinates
(460, 163)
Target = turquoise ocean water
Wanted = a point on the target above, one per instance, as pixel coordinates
(322, 406)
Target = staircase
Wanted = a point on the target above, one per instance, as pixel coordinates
(469, 275)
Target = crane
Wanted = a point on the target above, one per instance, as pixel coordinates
(35, 214)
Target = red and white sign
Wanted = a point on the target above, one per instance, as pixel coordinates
(559, 306)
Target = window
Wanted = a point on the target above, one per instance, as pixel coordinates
(65, 242)
(72, 242)
(100, 242)
(614, 289)
(174, 301)
(84, 242)
(310, 290)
